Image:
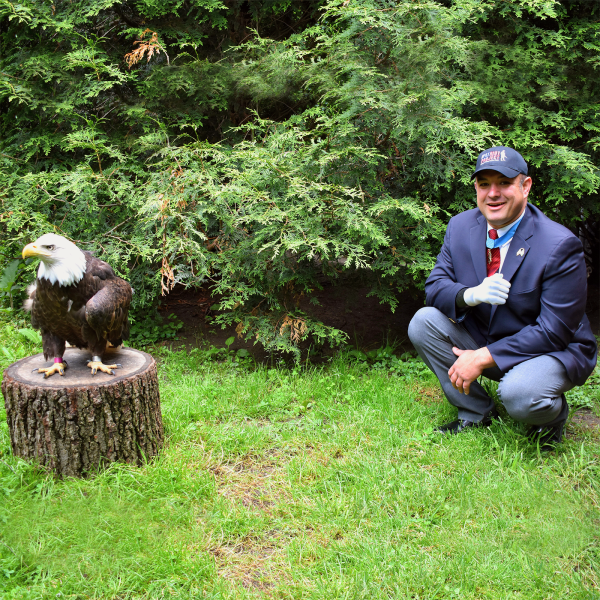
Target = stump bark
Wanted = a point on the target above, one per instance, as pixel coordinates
(79, 423)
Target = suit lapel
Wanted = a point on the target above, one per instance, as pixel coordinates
(478, 253)
(517, 251)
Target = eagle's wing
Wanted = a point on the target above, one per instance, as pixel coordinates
(106, 312)
(52, 344)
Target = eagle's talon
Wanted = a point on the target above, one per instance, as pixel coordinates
(98, 365)
(55, 368)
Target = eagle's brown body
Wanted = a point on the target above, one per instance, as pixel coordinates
(86, 314)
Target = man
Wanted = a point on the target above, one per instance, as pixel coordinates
(506, 299)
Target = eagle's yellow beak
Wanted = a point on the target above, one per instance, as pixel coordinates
(33, 250)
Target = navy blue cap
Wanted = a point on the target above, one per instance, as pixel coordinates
(503, 159)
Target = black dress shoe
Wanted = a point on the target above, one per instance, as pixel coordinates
(547, 436)
(461, 424)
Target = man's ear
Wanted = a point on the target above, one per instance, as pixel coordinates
(527, 183)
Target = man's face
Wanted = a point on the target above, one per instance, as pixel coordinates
(501, 199)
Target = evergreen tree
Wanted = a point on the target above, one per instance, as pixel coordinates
(263, 146)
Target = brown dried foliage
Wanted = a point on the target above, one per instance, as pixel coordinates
(167, 277)
(297, 328)
(150, 47)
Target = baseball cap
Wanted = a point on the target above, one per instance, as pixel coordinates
(503, 159)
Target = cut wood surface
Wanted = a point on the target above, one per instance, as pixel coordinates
(77, 423)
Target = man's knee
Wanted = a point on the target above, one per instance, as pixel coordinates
(511, 395)
(531, 391)
(420, 324)
(527, 405)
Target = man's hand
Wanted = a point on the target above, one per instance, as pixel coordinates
(492, 290)
(469, 365)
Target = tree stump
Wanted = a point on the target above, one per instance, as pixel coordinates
(78, 423)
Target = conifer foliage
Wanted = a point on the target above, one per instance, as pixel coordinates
(267, 146)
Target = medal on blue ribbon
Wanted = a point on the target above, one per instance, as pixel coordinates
(490, 243)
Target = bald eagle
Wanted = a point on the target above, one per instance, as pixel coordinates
(78, 299)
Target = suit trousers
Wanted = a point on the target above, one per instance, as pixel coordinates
(532, 392)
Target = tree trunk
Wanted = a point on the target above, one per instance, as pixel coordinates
(78, 423)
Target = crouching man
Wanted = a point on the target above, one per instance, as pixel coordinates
(506, 299)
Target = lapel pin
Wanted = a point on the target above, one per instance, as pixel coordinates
(521, 252)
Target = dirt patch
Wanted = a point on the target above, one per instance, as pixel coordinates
(429, 395)
(257, 562)
(584, 423)
(251, 561)
(251, 484)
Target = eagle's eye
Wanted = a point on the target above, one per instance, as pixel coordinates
(50, 247)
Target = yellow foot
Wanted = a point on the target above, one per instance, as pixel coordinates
(98, 365)
(55, 368)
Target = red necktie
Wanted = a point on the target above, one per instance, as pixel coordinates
(492, 255)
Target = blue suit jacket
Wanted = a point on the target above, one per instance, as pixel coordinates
(545, 310)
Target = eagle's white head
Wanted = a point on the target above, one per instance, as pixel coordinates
(60, 260)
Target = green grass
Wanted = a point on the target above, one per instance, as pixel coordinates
(315, 483)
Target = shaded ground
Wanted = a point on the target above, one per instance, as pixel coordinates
(368, 323)
(592, 308)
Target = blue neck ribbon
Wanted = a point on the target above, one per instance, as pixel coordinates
(490, 243)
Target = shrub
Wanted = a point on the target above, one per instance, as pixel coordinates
(183, 147)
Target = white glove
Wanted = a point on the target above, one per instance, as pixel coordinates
(492, 290)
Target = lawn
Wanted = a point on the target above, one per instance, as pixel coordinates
(317, 482)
